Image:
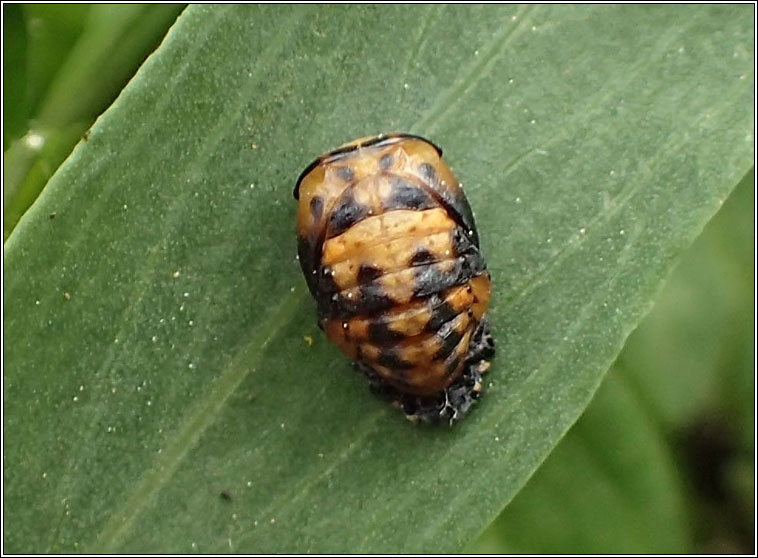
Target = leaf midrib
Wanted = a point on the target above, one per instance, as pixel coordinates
(198, 421)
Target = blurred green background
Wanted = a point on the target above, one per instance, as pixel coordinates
(661, 461)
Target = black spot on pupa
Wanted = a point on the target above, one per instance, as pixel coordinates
(326, 282)
(366, 299)
(432, 278)
(407, 195)
(308, 253)
(346, 174)
(368, 273)
(386, 161)
(391, 360)
(373, 298)
(474, 263)
(451, 364)
(381, 334)
(451, 197)
(400, 381)
(347, 213)
(225, 496)
(440, 315)
(421, 257)
(427, 171)
(462, 243)
(449, 337)
(317, 207)
(326, 291)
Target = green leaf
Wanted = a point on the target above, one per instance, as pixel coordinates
(161, 390)
(609, 487)
(52, 32)
(15, 108)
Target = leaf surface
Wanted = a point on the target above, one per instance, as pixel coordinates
(162, 393)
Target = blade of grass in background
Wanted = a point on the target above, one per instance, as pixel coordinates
(64, 64)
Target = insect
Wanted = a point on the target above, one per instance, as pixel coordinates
(390, 251)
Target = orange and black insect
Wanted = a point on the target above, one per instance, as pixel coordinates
(390, 251)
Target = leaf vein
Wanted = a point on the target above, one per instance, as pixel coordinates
(470, 77)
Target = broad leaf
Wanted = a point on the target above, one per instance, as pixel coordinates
(166, 386)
